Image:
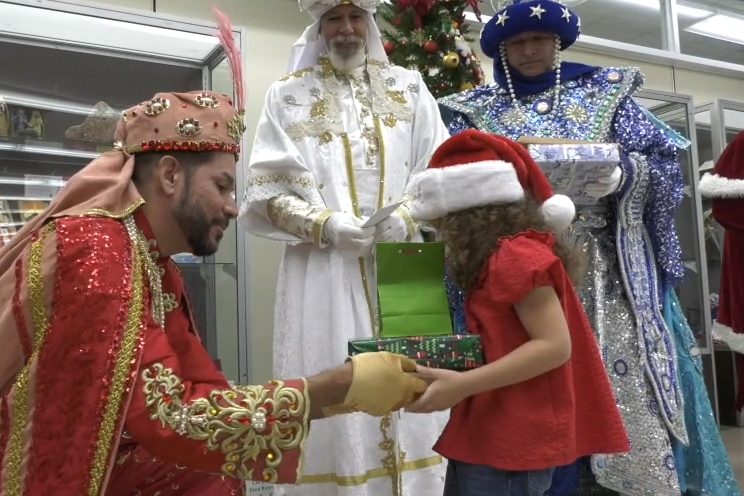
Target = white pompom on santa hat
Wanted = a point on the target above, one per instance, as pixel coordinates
(473, 169)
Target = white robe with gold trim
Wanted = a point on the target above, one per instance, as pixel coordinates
(348, 144)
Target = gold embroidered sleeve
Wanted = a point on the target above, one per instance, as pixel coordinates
(296, 216)
(411, 226)
(261, 430)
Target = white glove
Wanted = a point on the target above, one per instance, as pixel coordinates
(344, 231)
(392, 230)
(605, 185)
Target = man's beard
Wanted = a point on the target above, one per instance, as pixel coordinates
(347, 60)
(196, 227)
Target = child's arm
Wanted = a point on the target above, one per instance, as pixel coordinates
(549, 347)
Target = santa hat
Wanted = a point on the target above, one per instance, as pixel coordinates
(473, 169)
(727, 180)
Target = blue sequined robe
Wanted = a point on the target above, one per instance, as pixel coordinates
(634, 261)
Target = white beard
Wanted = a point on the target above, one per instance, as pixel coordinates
(347, 64)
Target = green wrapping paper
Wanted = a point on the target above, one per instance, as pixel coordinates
(454, 352)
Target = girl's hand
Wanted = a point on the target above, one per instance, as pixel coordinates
(446, 389)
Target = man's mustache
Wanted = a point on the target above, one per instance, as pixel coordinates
(347, 39)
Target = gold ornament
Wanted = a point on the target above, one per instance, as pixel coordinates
(466, 86)
(451, 60)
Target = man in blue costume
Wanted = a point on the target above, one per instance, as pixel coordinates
(634, 257)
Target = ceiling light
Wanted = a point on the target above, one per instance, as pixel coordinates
(682, 10)
(470, 16)
(721, 27)
(31, 22)
(685, 11)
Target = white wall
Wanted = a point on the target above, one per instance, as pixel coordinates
(272, 27)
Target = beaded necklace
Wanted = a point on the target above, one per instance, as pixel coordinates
(517, 113)
(153, 274)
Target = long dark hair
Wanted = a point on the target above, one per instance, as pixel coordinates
(471, 235)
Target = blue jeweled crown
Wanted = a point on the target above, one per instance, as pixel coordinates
(517, 16)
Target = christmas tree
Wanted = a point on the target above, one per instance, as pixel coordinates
(431, 36)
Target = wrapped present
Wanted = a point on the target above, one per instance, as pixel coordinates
(571, 166)
(454, 352)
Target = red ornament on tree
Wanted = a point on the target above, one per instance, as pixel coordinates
(428, 35)
(420, 9)
(431, 46)
(389, 47)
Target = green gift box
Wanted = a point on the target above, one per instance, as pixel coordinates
(410, 288)
(454, 352)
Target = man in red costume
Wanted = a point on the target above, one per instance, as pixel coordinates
(105, 386)
(726, 187)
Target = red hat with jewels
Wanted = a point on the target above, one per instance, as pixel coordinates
(199, 121)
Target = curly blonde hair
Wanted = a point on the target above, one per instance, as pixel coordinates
(470, 236)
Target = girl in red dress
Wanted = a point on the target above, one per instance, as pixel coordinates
(543, 398)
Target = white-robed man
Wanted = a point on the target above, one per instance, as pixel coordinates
(338, 139)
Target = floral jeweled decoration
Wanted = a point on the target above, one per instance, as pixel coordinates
(236, 126)
(188, 127)
(207, 100)
(156, 106)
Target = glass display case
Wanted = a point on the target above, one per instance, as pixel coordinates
(677, 112)
(67, 73)
(717, 124)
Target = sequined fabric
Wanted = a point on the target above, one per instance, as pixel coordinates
(588, 105)
(649, 469)
(593, 107)
(641, 281)
(84, 275)
(636, 133)
(138, 472)
(703, 466)
(456, 297)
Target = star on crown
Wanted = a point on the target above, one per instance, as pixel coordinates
(537, 11)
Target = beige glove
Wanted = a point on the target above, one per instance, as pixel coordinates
(380, 384)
